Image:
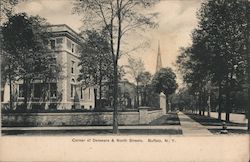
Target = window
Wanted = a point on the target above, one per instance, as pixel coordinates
(89, 94)
(2, 93)
(72, 67)
(72, 90)
(53, 89)
(52, 44)
(73, 48)
(81, 93)
(21, 90)
(37, 90)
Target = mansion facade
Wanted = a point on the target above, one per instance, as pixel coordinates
(67, 92)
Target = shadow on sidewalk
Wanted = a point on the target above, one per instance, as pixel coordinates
(167, 119)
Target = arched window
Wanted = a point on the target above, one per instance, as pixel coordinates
(72, 88)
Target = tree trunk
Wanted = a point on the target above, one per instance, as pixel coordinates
(137, 95)
(115, 93)
(100, 95)
(196, 104)
(199, 103)
(227, 116)
(95, 96)
(166, 104)
(203, 102)
(25, 93)
(228, 96)
(228, 106)
(144, 100)
(220, 101)
(100, 85)
(209, 105)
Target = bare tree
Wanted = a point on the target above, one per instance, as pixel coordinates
(135, 68)
(6, 9)
(119, 17)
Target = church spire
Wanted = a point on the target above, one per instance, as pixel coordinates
(158, 63)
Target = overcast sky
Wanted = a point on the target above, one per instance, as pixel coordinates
(177, 19)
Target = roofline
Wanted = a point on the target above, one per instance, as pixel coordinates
(65, 25)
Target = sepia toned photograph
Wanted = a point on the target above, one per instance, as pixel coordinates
(126, 71)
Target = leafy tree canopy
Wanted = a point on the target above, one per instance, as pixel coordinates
(165, 81)
(96, 60)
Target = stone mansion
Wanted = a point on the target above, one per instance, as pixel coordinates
(65, 44)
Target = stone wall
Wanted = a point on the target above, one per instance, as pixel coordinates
(152, 115)
(79, 119)
(146, 115)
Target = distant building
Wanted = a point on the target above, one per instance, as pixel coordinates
(158, 62)
(126, 96)
(158, 67)
(66, 92)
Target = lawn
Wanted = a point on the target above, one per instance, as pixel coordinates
(215, 125)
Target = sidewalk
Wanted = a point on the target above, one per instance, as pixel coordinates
(191, 127)
(94, 130)
(90, 127)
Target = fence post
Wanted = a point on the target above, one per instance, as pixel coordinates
(163, 103)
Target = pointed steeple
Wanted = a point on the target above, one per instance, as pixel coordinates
(158, 63)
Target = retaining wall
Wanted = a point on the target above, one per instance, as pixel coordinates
(143, 116)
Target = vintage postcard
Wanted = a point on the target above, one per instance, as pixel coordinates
(125, 80)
